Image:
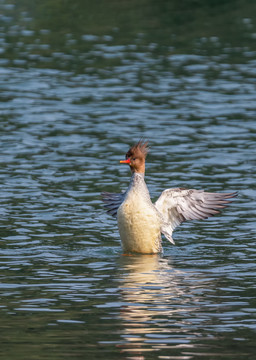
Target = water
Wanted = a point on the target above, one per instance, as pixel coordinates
(70, 106)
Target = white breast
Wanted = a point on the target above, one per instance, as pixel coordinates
(139, 225)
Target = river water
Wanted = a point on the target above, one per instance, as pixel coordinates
(72, 100)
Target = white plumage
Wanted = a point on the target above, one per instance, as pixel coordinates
(138, 220)
(141, 222)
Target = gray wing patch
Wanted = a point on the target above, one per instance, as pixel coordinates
(178, 205)
(112, 201)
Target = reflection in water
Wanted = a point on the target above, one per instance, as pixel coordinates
(69, 101)
(154, 296)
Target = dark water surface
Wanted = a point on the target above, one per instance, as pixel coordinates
(78, 85)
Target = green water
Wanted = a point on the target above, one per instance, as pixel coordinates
(80, 82)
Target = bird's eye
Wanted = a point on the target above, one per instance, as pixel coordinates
(133, 158)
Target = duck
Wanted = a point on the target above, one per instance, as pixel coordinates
(141, 222)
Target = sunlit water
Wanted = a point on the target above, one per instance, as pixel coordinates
(66, 290)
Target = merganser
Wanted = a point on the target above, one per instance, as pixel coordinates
(141, 222)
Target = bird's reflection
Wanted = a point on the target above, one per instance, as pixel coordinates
(151, 291)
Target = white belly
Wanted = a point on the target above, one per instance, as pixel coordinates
(139, 227)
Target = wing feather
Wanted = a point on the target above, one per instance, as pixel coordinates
(178, 205)
(112, 201)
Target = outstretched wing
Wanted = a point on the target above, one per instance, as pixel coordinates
(178, 205)
(112, 201)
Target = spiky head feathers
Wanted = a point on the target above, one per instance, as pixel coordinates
(136, 156)
(138, 150)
